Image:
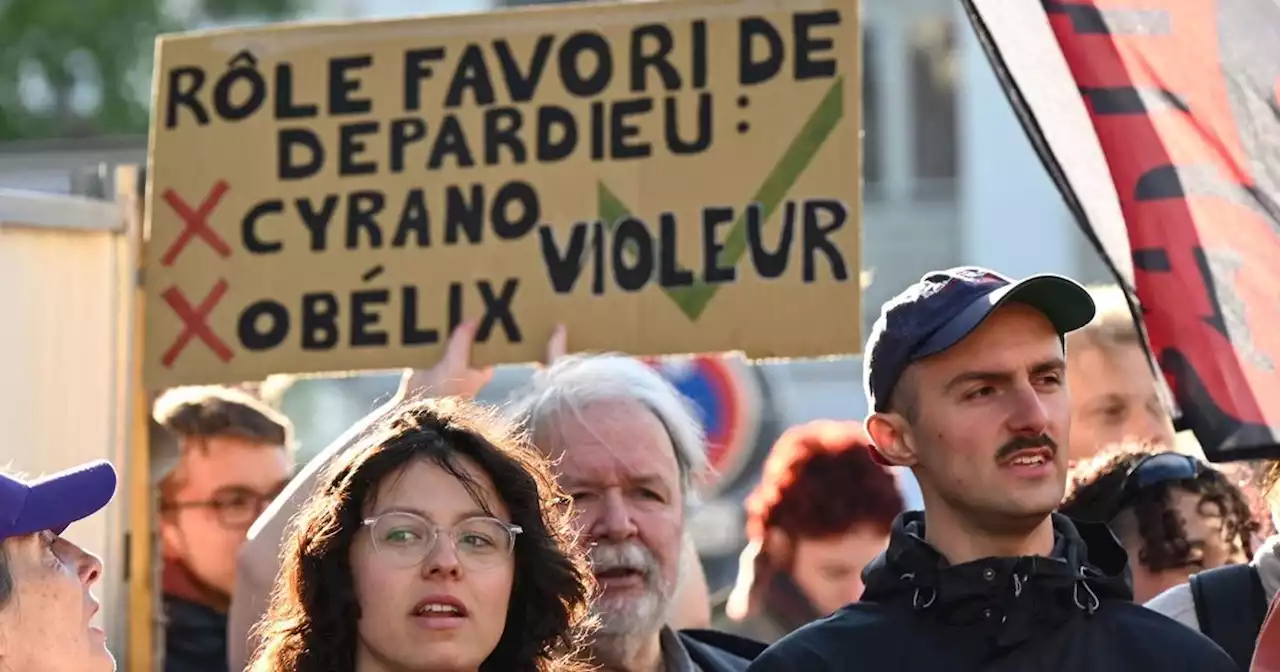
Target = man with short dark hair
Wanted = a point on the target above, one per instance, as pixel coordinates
(966, 375)
(233, 457)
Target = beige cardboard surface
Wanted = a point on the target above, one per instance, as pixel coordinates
(330, 197)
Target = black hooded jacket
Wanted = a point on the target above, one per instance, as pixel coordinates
(1069, 612)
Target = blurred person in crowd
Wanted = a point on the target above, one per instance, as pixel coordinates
(1114, 395)
(1229, 604)
(629, 450)
(692, 607)
(821, 513)
(965, 373)
(439, 543)
(259, 563)
(1113, 389)
(1173, 513)
(46, 600)
(234, 456)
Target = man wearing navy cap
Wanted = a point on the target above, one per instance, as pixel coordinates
(46, 607)
(964, 372)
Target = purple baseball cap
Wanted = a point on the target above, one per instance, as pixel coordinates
(55, 501)
(944, 307)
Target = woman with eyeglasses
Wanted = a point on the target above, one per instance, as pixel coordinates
(441, 542)
(46, 604)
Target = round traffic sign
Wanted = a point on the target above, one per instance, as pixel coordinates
(726, 396)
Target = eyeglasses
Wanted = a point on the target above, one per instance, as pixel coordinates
(236, 507)
(407, 539)
(1154, 470)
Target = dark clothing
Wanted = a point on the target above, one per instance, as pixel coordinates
(195, 637)
(1070, 611)
(782, 608)
(195, 634)
(1231, 606)
(712, 651)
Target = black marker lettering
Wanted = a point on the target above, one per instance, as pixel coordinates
(319, 321)
(472, 74)
(410, 332)
(770, 265)
(249, 327)
(464, 214)
(502, 128)
(288, 166)
(184, 86)
(715, 268)
(417, 67)
(362, 210)
(317, 221)
(404, 132)
(249, 227)
(563, 268)
(816, 236)
(657, 58)
(343, 84)
(415, 219)
(285, 107)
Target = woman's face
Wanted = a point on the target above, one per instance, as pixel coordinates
(443, 611)
(44, 625)
(829, 570)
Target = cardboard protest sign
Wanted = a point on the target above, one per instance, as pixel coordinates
(660, 177)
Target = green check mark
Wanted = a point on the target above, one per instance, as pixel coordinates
(693, 299)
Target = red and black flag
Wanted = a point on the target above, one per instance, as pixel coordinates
(1159, 120)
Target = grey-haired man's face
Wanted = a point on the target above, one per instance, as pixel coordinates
(619, 465)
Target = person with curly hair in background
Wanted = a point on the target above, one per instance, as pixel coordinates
(822, 511)
(1174, 514)
(440, 542)
(1229, 604)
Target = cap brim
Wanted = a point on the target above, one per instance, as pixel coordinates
(1066, 304)
(56, 501)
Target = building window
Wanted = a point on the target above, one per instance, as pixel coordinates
(934, 70)
(872, 139)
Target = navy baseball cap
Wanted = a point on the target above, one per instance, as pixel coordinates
(55, 501)
(945, 306)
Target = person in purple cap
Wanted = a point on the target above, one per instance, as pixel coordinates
(45, 601)
(965, 375)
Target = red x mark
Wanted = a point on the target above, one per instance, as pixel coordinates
(194, 323)
(197, 223)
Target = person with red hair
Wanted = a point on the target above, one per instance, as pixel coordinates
(822, 511)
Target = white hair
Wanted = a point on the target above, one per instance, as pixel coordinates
(576, 381)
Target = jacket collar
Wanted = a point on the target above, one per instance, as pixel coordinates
(1023, 595)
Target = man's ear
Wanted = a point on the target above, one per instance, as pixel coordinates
(893, 438)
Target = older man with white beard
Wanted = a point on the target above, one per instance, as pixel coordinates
(629, 449)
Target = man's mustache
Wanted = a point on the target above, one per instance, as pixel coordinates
(1024, 443)
(629, 556)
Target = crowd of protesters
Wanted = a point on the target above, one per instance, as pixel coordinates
(1064, 526)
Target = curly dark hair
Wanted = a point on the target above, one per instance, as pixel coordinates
(310, 625)
(1094, 484)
